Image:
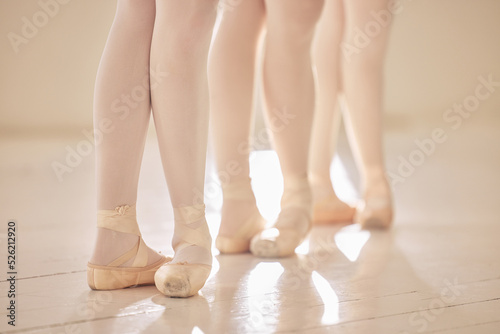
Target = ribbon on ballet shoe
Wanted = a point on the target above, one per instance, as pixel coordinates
(192, 243)
(121, 219)
(191, 228)
(114, 275)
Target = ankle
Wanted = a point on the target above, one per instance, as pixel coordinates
(296, 205)
(192, 241)
(322, 189)
(297, 193)
(376, 186)
(239, 189)
(117, 234)
(111, 244)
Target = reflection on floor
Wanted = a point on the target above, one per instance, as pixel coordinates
(436, 271)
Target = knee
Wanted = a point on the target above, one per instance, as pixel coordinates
(298, 22)
(191, 30)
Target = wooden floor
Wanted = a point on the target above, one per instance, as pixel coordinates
(437, 271)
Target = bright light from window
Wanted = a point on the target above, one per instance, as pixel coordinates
(329, 298)
(351, 240)
(263, 278)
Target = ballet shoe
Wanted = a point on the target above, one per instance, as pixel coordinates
(180, 277)
(112, 276)
(274, 243)
(374, 213)
(291, 227)
(331, 210)
(239, 242)
(181, 280)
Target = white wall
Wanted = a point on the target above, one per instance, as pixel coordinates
(438, 49)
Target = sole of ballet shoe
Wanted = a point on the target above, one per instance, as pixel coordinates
(181, 280)
(112, 278)
(276, 247)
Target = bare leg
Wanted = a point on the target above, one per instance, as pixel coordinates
(181, 39)
(289, 94)
(328, 207)
(362, 73)
(231, 76)
(121, 117)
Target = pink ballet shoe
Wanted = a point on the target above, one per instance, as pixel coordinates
(332, 211)
(113, 276)
(185, 275)
(239, 242)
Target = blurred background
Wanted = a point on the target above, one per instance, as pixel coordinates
(437, 50)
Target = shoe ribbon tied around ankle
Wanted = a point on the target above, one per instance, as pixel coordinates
(123, 219)
(186, 230)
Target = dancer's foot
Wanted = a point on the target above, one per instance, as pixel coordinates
(328, 208)
(375, 210)
(121, 259)
(241, 219)
(186, 274)
(332, 210)
(292, 225)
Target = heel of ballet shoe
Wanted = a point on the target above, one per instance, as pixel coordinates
(181, 280)
(292, 225)
(325, 213)
(113, 275)
(375, 213)
(112, 278)
(240, 242)
(229, 245)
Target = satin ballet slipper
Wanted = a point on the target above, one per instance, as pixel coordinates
(239, 242)
(291, 227)
(374, 213)
(180, 277)
(332, 211)
(113, 276)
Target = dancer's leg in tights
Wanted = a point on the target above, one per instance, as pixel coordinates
(289, 95)
(231, 76)
(328, 208)
(178, 50)
(362, 83)
(121, 117)
(181, 38)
